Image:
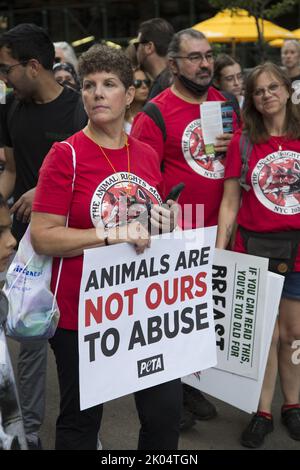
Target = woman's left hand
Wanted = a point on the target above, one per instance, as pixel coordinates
(164, 218)
(222, 142)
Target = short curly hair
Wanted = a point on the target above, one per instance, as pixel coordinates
(102, 58)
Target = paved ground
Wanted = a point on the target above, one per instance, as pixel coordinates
(120, 424)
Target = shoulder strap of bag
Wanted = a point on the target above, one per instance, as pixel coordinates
(154, 113)
(8, 291)
(67, 221)
(246, 147)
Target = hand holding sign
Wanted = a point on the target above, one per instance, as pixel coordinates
(133, 233)
(164, 217)
(222, 142)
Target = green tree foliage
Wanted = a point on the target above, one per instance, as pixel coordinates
(267, 9)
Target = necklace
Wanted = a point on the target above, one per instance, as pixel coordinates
(105, 155)
(128, 189)
(108, 160)
(278, 141)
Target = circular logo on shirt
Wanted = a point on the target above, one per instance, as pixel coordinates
(120, 198)
(202, 159)
(276, 182)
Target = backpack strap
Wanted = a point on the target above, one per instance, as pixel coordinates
(67, 222)
(246, 147)
(154, 113)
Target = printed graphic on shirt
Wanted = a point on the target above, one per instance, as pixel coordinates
(276, 182)
(121, 197)
(202, 159)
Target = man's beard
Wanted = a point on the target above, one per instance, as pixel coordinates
(194, 88)
(24, 98)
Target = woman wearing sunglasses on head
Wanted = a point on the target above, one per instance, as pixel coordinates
(141, 84)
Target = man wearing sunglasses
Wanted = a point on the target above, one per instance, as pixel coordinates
(151, 46)
(38, 113)
(176, 135)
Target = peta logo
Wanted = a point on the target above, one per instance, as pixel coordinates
(151, 365)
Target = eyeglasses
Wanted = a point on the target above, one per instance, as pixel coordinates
(138, 83)
(5, 69)
(272, 89)
(137, 43)
(195, 57)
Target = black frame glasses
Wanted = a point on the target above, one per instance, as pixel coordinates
(5, 69)
(195, 57)
(137, 83)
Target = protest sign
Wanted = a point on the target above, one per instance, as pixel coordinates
(147, 319)
(237, 379)
(239, 284)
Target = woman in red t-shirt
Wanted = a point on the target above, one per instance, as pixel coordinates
(268, 204)
(117, 178)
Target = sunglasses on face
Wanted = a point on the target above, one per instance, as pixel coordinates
(139, 83)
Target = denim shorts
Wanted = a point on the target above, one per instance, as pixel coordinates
(291, 286)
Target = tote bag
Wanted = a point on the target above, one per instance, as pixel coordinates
(33, 312)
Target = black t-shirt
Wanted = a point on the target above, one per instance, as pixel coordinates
(31, 129)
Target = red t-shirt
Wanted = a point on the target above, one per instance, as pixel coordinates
(272, 203)
(183, 154)
(95, 198)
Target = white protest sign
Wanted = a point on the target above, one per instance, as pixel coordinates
(240, 391)
(239, 284)
(147, 319)
(211, 121)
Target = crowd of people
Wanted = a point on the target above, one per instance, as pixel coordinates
(143, 117)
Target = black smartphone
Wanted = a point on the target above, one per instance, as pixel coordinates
(175, 192)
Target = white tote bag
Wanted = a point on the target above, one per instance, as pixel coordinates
(33, 311)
